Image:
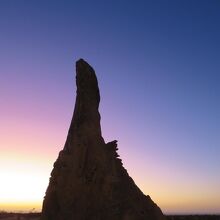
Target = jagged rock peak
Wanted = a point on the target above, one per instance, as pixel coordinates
(88, 181)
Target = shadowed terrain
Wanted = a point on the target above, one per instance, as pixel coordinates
(36, 216)
(19, 216)
(193, 217)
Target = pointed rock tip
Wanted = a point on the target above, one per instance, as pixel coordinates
(82, 63)
(83, 66)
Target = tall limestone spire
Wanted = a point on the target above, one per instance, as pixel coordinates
(88, 181)
(86, 117)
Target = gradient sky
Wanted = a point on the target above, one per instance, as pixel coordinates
(158, 68)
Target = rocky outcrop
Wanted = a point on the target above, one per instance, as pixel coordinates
(88, 181)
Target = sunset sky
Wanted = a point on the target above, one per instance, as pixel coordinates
(158, 66)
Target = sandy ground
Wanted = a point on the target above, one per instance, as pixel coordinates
(21, 218)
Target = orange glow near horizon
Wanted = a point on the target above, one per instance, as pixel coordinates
(25, 174)
(24, 182)
(26, 161)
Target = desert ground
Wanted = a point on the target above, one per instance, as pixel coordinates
(36, 216)
(19, 216)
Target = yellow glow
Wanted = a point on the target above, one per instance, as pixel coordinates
(178, 195)
(21, 187)
(24, 177)
(21, 191)
(21, 206)
(182, 198)
(23, 182)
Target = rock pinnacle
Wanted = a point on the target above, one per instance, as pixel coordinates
(88, 181)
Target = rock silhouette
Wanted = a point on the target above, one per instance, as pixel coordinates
(88, 181)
